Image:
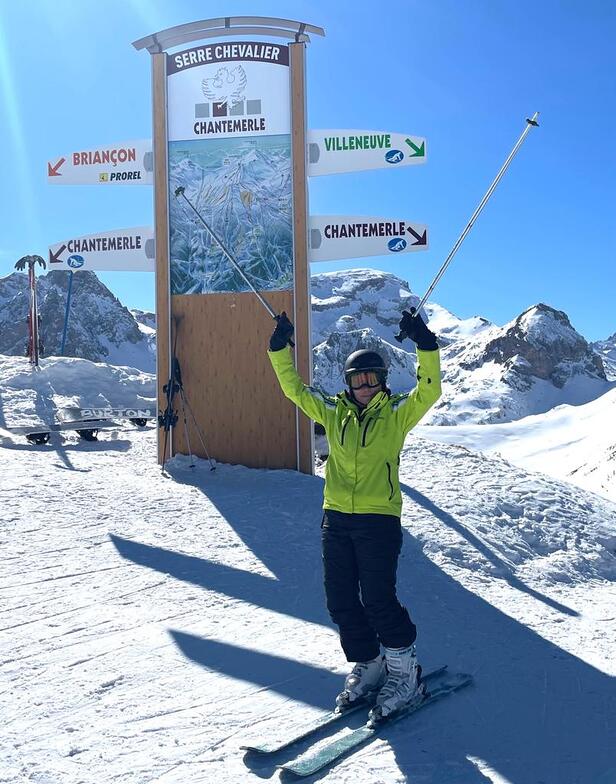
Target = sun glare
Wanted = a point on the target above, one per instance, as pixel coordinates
(23, 183)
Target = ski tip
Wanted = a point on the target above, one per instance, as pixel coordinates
(290, 770)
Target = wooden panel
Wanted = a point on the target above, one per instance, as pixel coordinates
(161, 222)
(303, 339)
(229, 381)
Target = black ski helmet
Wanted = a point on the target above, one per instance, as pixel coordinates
(364, 360)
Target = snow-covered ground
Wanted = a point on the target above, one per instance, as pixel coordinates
(575, 443)
(149, 626)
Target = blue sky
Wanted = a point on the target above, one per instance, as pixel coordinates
(463, 74)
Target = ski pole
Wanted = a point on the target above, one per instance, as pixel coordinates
(180, 192)
(529, 124)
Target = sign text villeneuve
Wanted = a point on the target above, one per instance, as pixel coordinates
(335, 152)
(372, 141)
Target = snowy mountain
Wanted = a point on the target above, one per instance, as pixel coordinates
(151, 626)
(100, 328)
(530, 365)
(146, 322)
(358, 309)
(490, 373)
(573, 443)
(450, 328)
(607, 351)
(145, 318)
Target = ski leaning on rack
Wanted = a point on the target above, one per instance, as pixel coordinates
(327, 719)
(315, 759)
(84, 422)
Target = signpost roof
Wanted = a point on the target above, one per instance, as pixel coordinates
(230, 25)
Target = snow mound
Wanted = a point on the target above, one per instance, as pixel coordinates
(567, 442)
(481, 514)
(29, 396)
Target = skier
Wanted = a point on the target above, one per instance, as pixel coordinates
(361, 532)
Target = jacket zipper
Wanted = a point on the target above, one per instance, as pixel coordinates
(389, 480)
(363, 438)
(344, 427)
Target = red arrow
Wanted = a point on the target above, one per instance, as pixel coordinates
(52, 171)
(53, 257)
(422, 239)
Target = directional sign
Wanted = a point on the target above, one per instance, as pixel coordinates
(347, 237)
(128, 163)
(128, 250)
(335, 152)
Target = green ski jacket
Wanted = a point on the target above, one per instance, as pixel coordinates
(361, 473)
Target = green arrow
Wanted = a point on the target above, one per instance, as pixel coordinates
(419, 151)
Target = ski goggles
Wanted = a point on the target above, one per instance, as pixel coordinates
(366, 378)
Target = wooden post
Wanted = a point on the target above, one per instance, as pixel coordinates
(223, 337)
(161, 236)
(302, 321)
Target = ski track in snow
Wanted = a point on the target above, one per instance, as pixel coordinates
(149, 626)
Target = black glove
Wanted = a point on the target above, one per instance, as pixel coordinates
(282, 334)
(415, 328)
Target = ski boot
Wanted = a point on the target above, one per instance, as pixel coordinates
(365, 678)
(403, 685)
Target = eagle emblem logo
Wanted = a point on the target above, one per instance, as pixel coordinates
(226, 86)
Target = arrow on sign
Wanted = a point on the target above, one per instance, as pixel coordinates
(52, 171)
(54, 257)
(418, 152)
(422, 239)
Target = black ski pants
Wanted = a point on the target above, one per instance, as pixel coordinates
(360, 560)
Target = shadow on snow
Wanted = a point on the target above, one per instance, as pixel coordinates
(537, 714)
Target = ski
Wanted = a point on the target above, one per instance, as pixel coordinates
(315, 759)
(86, 427)
(327, 719)
(53, 427)
(106, 412)
(39, 435)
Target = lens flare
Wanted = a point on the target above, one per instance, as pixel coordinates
(10, 103)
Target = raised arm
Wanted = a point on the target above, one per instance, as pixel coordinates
(410, 408)
(311, 401)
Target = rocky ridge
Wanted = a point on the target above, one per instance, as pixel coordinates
(100, 328)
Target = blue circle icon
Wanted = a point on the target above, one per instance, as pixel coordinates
(394, 156)
(397, 244)
(75, 261)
